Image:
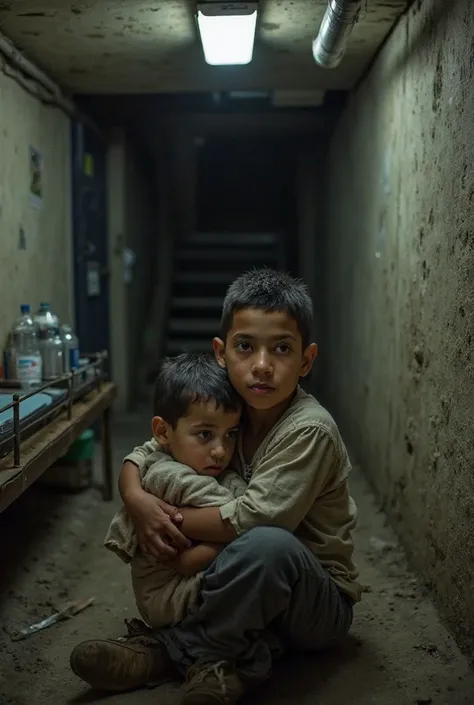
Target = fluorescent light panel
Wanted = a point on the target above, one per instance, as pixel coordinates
(227, 32)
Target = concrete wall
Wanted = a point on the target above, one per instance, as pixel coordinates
(131, 224)
(116, 224)
(141, 231)
(400, 296)
(309, 167)
(167, 232)
(43, 270)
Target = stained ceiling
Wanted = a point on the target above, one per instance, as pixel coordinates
(149, 46)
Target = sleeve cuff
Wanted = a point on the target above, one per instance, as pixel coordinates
(135, 458)
(228, 512)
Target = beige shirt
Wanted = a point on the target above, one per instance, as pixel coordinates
(298, 480)
(163, 596)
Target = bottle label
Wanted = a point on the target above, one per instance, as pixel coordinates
(73, 358)
(28, 368)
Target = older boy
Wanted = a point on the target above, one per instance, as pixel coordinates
(287, 578)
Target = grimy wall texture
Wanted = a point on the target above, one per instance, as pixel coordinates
(400, 291)
(35, 233)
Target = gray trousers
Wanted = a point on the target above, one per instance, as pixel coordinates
(265, 593)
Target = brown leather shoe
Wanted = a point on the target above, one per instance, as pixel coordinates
(122, 664)
(212, 684)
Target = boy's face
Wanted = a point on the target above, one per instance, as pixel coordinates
(204, 439)
(264, 356)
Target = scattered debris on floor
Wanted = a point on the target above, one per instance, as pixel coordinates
(381, 546)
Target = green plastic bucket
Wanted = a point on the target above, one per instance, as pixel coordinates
(82, 448)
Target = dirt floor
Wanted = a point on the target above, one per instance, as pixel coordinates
(399, 652)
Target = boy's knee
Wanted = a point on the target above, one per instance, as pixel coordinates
(266, 554)
(269, 545)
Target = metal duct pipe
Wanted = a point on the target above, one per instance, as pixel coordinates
(28, 69)
(338, 21)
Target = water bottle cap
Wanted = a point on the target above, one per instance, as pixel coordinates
(25, 308)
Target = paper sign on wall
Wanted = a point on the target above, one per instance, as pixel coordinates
(129, 259)
(93, 279)
(88, 165)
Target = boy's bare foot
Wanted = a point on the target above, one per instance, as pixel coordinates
(212, 684)
(128, 663)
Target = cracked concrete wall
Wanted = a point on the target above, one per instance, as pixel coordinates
(400, 298)
(35, 242)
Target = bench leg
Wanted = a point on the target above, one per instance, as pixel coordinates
(107, 469)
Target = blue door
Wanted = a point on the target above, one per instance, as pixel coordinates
(91, 269)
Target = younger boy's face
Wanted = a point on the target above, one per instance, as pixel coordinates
(204, 439)
(264, 356)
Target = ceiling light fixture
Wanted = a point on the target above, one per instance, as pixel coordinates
(227, 31)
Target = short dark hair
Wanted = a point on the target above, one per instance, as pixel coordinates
(189, 378)
(270, 290)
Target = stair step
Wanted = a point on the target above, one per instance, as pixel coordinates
(204, 267)
(251, 255)
(225, 278)
(196, 302)
(188, 326)
(175, 347)
(233, 239)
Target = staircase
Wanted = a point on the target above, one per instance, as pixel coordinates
(205, 265)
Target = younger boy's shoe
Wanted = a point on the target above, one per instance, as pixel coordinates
(212, 684)
(128, 663)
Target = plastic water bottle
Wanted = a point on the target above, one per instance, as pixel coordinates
(53, 357)
(47, 322)
(26, 350)
(71, 348)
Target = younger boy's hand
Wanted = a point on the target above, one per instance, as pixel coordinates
(156, 523)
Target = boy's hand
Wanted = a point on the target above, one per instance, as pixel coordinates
(156, 522)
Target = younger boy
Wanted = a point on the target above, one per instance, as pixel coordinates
(287, 578)
(195, 423)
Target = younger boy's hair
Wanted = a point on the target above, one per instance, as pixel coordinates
(189, 378)
(269, 290)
